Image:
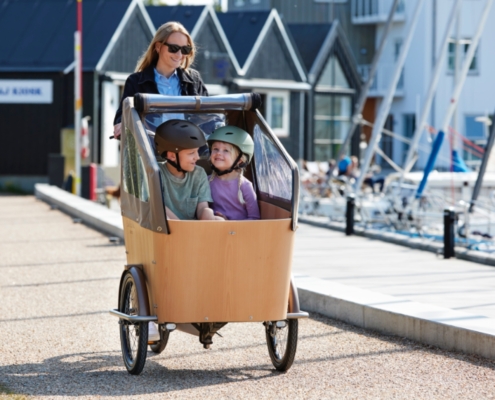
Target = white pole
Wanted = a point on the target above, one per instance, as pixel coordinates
(431, 92)
(77, 113)
(387, 100)
(365, 89)
(465, 67)
(457, 64)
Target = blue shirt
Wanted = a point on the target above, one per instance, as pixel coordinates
(343, 165)
(168, 87)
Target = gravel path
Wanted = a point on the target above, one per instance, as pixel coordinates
(58, 279)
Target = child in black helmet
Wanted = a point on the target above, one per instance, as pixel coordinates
(185, 186)
(231, 149)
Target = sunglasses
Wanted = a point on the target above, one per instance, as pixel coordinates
(174, 48)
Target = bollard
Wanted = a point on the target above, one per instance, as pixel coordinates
(349, 215)
(93, 181)
(89, 182)
(448, 233)
(56, 164)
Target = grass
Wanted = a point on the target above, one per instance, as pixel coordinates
(6, 394)
(12, 189)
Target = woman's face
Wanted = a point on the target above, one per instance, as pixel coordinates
(169, 62)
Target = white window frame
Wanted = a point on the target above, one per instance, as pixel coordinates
(398, 42)
(285, 95)
(461, 43)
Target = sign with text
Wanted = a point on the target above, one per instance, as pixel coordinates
(25, 91)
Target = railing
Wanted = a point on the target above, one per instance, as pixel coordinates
(375, 11)
(381, 81)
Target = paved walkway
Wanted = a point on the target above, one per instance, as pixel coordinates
(57, 339)
(369, 283)
(395, 270)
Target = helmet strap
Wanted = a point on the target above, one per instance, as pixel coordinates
(234, 166)
(174, 164)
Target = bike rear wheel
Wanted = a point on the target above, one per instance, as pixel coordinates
(281, 339)
(159, 346)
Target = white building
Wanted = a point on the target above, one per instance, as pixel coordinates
(477, 97)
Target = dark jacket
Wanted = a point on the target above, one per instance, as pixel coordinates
(144, 82)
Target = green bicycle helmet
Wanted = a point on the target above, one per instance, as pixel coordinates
(235, 136)
(177, 134)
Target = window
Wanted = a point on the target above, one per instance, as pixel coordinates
(477, 131)
(238, 3)
(463, 46)
(409, 128)
(332, 110)
(135, 180)
(397, 48)
(332, 120)
(277, 112)
(333, 75)
(387, 142)
(273, 174)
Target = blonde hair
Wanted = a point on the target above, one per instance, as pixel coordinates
(150, 57)
(234, 152)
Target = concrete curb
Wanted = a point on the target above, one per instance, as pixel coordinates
(396, 238)
(442, 327)
(94, 215)
(437, 326)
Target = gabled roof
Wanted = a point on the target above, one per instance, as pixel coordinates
(193, 18)
(242, 30)
(186, 15)
(328, 37)
(246, 32)
(39, 35)
(309, 40)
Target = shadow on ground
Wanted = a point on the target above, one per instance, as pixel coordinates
(104, 374)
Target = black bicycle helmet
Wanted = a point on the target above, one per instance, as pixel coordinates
(175, 135)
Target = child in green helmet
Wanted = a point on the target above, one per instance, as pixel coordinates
(234, 198)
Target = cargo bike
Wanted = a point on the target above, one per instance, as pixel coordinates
(197, 276)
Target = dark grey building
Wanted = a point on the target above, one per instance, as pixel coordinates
(37, 54)
(335, 86)
(361, 37)
(268, 63)
(244, 52)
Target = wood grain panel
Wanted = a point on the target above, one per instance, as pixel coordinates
(216, 271)
(270, 211)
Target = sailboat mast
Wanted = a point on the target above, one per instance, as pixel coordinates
(387, 100)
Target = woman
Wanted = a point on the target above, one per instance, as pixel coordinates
(164, 69)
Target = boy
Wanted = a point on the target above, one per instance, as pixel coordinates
(185, 186)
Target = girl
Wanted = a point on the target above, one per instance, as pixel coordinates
(231, 150)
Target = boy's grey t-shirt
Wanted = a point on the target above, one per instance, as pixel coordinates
(183, 195)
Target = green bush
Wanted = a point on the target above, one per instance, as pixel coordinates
(12, 188)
